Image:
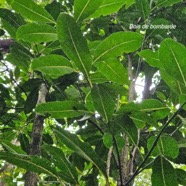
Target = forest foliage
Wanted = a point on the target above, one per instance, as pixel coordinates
(71, 110)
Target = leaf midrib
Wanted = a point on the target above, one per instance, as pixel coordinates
(83, 10)
(50, 20)
(178, 65)
(126, 42)
(112, 70)
(78, 148)
(110, 4)
(29, 162)
(77, 52)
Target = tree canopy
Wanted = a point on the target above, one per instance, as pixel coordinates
(92, 92)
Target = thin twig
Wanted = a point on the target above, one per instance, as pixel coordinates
(109, 156)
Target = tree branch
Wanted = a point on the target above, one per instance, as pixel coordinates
(31, 178)
(154, 144)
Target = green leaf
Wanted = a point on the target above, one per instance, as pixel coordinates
(115, 90)
(61, 109)
(181, 176)
(79, 147)
(19, 56)
(24, 142)
(175, 85)
(107, 140)
(172, 54)
(8, 146)
(52, 65)
(9, 28)
(31, 101)
(30, 10)
(120, 140)
(31, 163)
(156, 31)
(84, 8)
(127, 126)
(113, 70)
(117, 44)
(103, 102)
(98, 77)
(109, 7)
(54, 8)
(36, 33)
(163, 173)
(158, 109)
(129, 107)
(141, 119)
(10, 22)
(67, 171)
(165, 3)
(151, 57)
(72, 93)
(166, 146)
(149, 105)
(73, 43)
(144, 8)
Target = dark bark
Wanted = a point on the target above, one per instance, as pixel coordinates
(31, 179)
(5, 45)
(146, 91)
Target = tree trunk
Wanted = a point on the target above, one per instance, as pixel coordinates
(31, 179)
(5, 45)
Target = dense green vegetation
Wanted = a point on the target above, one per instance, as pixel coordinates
(92, 92)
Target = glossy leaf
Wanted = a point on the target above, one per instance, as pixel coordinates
(117, 44)
(52, 65)
(152, 58)
(110, 7)
(84, 8)
(73, 43)
(163, 173)
(81, 148)
(30, 10)
(172, 54)
(36, 33)
(32, 163)
(166, 146)
(61, 109)
(103, 102)
(67, 171)
(113, 70)
(144, 8)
